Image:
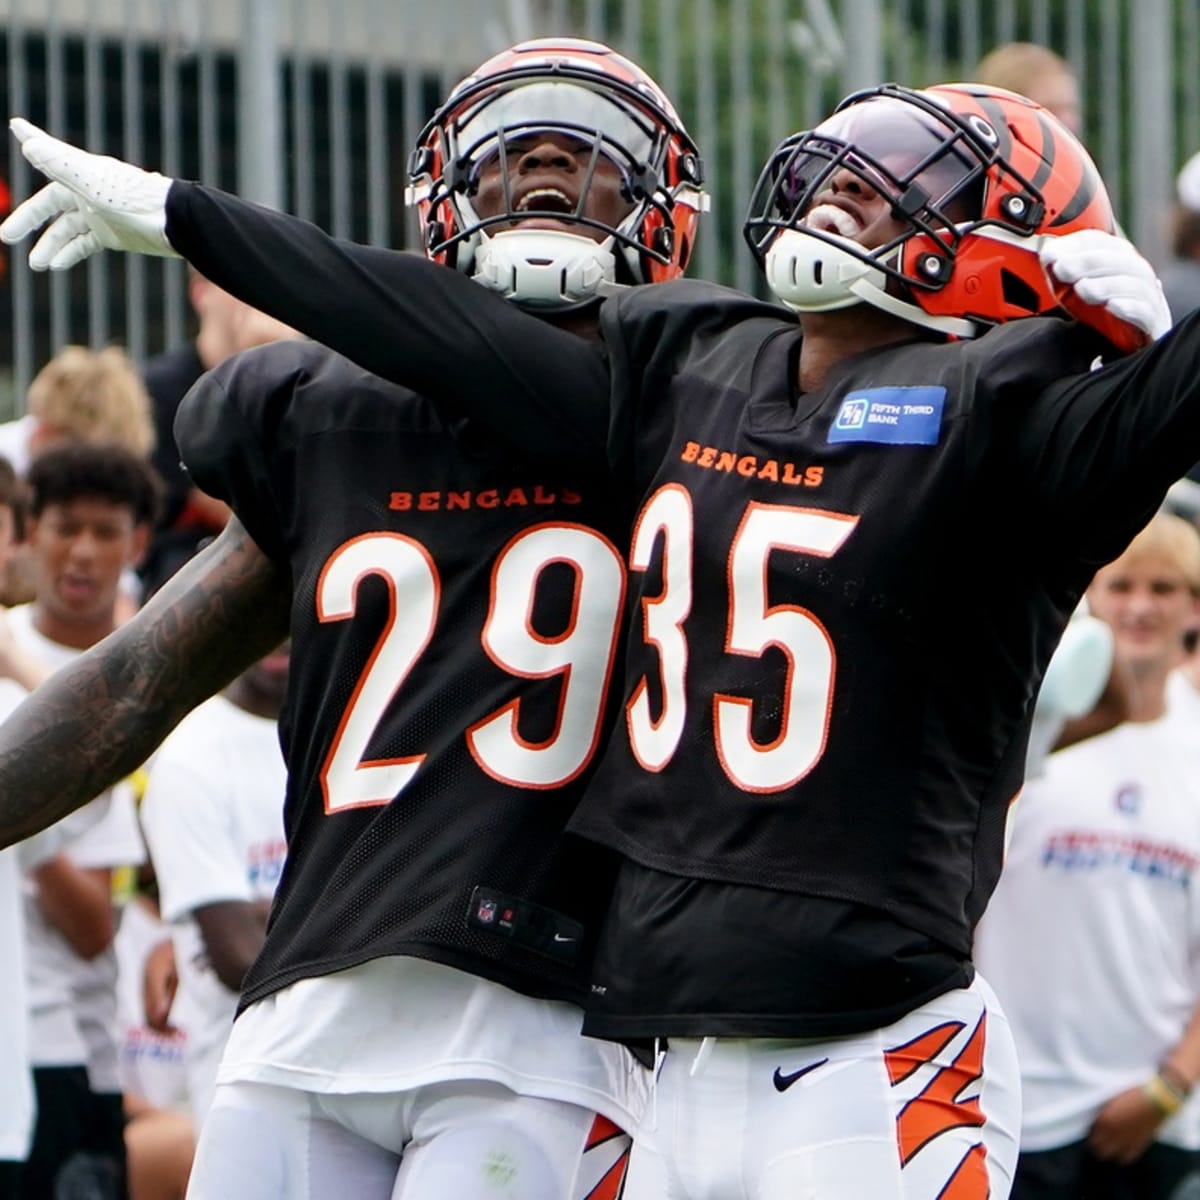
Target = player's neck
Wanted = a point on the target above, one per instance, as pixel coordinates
(1147, 694)
(832, 337)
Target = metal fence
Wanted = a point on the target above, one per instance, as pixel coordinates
(313, 106)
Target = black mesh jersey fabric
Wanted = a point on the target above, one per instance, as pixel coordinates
(878, 572)
(406, 637)
(842, 601)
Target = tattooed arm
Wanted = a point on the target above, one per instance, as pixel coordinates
(101, 716)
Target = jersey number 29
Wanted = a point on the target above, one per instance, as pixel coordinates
(581, 656)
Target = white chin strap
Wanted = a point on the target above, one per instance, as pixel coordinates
(543, 268)
(810, 274)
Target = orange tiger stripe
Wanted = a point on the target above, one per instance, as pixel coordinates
(609, 1188)
(970, 1178)
(904, 1060)
(937, 1108)
(611, 1183)
(602, 1130)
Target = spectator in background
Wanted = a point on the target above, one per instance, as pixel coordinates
(91, 508)
(213, 820)
(1181, 276)
(159, 1137)
(1036, 72)
(226, 326)
(1092, 940)
(1083, 692)
(84, 395)
(79, 395)
(16, 1087)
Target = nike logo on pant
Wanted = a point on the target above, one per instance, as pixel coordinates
(783, 1082)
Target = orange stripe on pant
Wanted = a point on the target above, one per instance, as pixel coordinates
(937, 1108)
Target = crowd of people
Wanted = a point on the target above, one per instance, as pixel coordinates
(665, 676)
(109, 1072)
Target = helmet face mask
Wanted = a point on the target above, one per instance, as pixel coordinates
(924, 169)
(594, 106)
(976, 178)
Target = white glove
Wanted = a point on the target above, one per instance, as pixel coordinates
(1107, 271)
(95, 203)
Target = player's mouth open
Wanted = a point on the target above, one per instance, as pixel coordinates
(545, 200)
(829, 218)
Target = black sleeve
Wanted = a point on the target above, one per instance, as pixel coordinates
(405, 319)
(225, 447)
(1098, 450)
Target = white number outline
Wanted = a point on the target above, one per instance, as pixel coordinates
(349, 780)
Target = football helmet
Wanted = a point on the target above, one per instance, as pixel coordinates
(978, 177)
(604, 106)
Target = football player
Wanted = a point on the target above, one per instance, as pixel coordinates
(412, 1025)
(857, 539)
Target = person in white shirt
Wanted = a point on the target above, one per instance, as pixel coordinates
(16, 1084)
(1092, 940)
(91, 508)
(213, 820)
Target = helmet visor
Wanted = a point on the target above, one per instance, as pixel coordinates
(589, 116)
(899, 150)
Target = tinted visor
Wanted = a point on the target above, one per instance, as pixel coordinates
(588, 116)
(898, 149)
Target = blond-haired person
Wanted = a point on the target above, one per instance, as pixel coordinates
(84, 395)
(80, 395)
(1092, 940)
(1035, 71)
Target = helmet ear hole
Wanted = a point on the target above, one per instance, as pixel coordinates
(1017, 293)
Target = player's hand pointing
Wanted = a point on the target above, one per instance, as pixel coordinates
(94, 203)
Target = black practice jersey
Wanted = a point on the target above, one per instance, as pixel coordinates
(842, 603)
(454, 625)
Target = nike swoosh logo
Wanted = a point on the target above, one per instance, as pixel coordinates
(558, 937)
(783, 1082)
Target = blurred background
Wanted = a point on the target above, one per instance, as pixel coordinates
(313, 106)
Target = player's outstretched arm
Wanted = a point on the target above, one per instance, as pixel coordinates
(398, 315)
(99, 718)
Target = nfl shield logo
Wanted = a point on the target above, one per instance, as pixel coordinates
(486, 912)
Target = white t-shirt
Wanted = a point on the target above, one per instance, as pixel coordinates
(72, 1000)
(398, 1023)
(1092, 939)
(15, 437)
(16, 1087)
(152, 1062)
(1183, 704)
(213, 819)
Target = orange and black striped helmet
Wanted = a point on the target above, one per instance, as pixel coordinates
(589, 92)
(978, 175)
